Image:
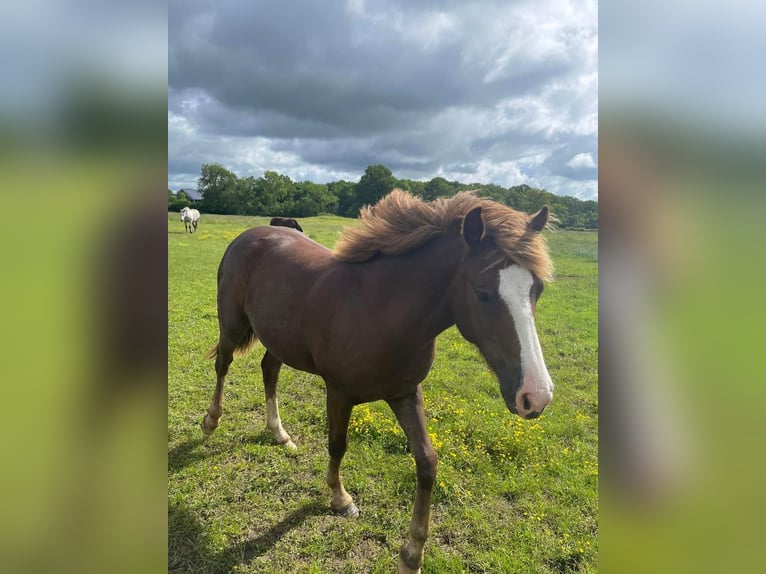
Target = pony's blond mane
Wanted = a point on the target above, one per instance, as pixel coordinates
(401, 222)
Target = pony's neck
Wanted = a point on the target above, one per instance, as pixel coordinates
(425, 285)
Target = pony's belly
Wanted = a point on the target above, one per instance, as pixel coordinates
(288, 350)
(379, 377)
(299, 361)
(301, 364)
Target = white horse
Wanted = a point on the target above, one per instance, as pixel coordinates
(190, 217)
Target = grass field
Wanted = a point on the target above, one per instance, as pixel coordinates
(511, 496)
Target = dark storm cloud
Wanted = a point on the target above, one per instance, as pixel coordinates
(341, 85)
(348, 154)
(576, 160)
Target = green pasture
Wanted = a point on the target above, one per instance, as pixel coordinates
(511, 496)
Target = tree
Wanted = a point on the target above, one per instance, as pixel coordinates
(437, 187)
(376, 182)
(245, 196)
(312, 199)
(274, 194)
(218, 187)
(176, 202)
(277, 194)
(344, 192)
(415, 187)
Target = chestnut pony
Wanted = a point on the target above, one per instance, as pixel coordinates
(365, 316)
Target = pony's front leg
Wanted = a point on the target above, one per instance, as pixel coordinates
(338, 415)
(409, 413)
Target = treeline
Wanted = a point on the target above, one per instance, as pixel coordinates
(275, 194)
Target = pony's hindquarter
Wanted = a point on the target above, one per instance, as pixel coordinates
(251, 297)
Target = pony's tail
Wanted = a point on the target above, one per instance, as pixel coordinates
(247, 342)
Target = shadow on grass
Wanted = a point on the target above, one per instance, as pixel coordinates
(189, 544)
(264, 437)
(185, 454)
(193, 450)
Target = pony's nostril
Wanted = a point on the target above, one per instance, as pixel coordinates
(527, 404)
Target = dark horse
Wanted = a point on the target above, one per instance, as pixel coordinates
(365, 316)
(286, 222)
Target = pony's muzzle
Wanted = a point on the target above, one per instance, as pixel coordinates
(526, 396)
(530, 405)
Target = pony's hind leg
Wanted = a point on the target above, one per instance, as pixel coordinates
(270, 366)
(338, 415)
(236, 335)
(224, 355)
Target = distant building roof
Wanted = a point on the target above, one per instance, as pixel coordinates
(192, 194)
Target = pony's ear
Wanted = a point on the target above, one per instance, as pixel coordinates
(473, 227)
(539, 219)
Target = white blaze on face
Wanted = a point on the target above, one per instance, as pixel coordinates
(515, 285)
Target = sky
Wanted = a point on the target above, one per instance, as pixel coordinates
(696, 62)
(499, 92)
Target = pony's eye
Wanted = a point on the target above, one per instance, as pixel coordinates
(483, 296)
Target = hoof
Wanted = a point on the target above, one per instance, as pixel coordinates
(402, 568)
(207, 430)
(289, 445)
(350, 511)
